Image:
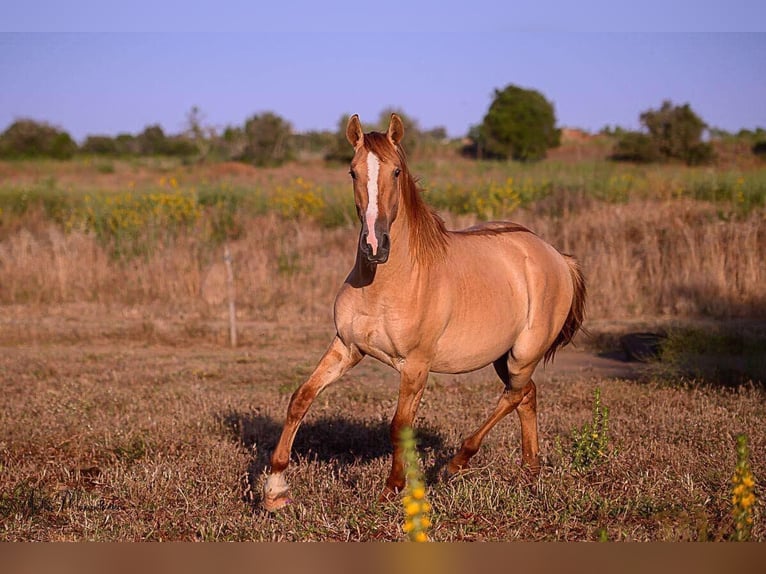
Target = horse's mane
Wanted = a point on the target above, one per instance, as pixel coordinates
(495, 228)
(428, 240)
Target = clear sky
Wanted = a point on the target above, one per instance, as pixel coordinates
(97, 68)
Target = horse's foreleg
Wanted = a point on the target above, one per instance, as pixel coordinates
(413, 382)
(338, 359)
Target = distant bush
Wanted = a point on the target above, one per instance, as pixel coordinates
(267, 140)
(31, 139)
(153, 141)
(413, 136)
(340, 151)
(759, 149)
(520, 124)
(672, 133)
(150, 142)
(636, 147)
(100, 145)
(127, 144)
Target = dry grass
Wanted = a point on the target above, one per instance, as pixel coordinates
(107, 437)
(643, 258)
(126, 417)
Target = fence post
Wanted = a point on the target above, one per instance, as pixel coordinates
(231, 295)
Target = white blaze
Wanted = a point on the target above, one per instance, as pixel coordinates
(373, 166)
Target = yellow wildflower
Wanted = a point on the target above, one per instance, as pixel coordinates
(742, 494)
(412, 508)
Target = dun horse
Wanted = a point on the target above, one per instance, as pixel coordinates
(421, 298)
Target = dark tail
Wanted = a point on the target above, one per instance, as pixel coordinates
(576, 314)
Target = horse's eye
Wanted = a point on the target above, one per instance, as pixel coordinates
(352, 173)
(397, 171)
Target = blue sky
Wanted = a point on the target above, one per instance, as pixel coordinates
(94, 68)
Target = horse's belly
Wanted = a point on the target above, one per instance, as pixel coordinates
(469, 350)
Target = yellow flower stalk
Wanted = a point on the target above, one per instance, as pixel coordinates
(416, 508)
(742, 492)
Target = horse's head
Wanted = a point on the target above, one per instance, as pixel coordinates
(377, 174)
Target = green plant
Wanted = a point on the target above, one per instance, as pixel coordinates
(742, 492)
(590, 443)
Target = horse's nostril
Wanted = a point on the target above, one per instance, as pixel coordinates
(385, 242)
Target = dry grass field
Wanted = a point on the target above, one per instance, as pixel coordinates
(127, 416)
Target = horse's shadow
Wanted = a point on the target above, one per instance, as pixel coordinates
(338, 440)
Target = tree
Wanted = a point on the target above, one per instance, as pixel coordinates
(677, 133)
(267, 139)
(29, 139)
(152, 140)
(202, 136)
(671, 133)
(520, 124)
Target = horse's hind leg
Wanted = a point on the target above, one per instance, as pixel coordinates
(527, 411)
(338, 359)
(519, 393)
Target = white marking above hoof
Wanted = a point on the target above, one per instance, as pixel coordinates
(275, 491)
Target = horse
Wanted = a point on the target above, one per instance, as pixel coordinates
(423, 299)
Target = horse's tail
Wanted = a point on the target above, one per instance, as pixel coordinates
(576, 314)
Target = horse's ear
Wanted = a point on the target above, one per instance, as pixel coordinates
(395, 129)
(354, 133)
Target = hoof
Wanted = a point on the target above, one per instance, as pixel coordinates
(274, 504)
(451, 470)
(387, 495)
(275, 493)
(531, 466)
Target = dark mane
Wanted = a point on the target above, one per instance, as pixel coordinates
(494, 228)
(428, 232)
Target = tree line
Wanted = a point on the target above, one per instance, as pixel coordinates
(520, 124)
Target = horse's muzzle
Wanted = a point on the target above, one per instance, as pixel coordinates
(384, 247)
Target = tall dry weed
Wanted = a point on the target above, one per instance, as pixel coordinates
(640, 258)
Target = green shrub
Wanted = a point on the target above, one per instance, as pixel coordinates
(636, 147)
(590, 443)
(31, 139)
(100, 145)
